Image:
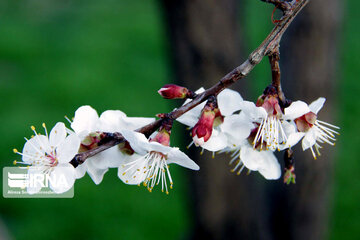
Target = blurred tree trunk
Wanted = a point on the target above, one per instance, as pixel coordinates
(205, 45)
(309, 66)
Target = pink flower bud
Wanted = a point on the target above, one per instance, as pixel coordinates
(172, 91)
(203, 128)
(162, 137)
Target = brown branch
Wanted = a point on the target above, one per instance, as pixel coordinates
(266, 48)
(274, 59)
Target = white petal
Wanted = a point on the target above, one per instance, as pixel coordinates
(57, 134)
(86, 119)
(271, 168)
(309, 139)
(110, 121)
(95, 173)
(178, 157)
(229, 101)
(217, 141)
(317, 105)
(138, 141)
(63, 176)
(158, 147)
(68, 148)
(80, 170)
(133, 174)
(237, 128)
(98, 162)
(293, 139)
(252, 111)
(133, 123)
(295, 110)
(110, 158)
(114, 157)
(251, 158)
(35, 147)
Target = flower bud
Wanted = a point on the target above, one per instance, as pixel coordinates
(203, 128)
(172, 91)
(162, 137)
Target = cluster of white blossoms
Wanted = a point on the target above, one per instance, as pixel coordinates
(252, 132)
(225, 123)
(139, 159)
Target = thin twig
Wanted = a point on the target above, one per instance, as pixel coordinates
(274, 59)
(266, 48)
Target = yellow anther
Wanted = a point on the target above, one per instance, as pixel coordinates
(171, 186)
(15, 150)
(124, 173)
(167, 193)
(127, 181)
(15, 162)
(32, 128)
(44, 126)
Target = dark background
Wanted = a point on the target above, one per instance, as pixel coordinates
(58, 55)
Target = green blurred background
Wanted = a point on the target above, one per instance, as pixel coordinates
(58, 55)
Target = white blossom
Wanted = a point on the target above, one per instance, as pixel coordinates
(51, 154)
(87, 121)
(150, 163)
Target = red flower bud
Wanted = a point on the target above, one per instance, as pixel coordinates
(172, 91)
(203, 128)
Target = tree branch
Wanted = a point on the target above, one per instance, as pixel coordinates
(274, 59)
(266, 48)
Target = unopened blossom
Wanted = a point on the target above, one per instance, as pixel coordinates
(172, 91)
(207, 124)
(51, 154)
(315, 131)
(273, 126)
(88, 125)
(150, 163)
